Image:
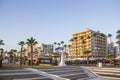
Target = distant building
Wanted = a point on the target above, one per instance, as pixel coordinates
(97, 44)
(110, 48)
(45, 48)
(4, 53)
(69, 49)
(38, 50)
(115, 51)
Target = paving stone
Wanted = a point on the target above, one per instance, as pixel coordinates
(106, 73)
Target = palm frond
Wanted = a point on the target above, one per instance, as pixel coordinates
(1, 42)
(118, 32)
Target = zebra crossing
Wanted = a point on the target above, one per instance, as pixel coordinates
(69, 73)
(106, 73)
(52, 73)
(21, 74)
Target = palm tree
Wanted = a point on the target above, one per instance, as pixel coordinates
(58, 44)
(118, 42)
(86, 53)
(111, 43)
(31, 42)
(118, 32)
(110, 35)
(21, 43)
(55, 45)
(118, 37)
(62, 42)
(110, 56)
(12, 55)
(71, 39)
(1, 43)
(1, 50)
(58, 47)
(65, 46)
(95, 34)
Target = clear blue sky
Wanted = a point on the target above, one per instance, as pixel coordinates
(55, 20)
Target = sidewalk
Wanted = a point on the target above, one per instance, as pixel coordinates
(17, 66)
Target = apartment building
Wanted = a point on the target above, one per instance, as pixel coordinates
(116, 51)
(45, 48)
(96, 42)
(110, 48)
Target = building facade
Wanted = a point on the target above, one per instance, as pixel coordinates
(46, 48)
(95, 42)
(115, 51)
(110, 48)
(38, 50)
(69, 49)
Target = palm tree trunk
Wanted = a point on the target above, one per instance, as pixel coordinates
(31, 55)
(21, 58)
(119, 48)
(110, 40)
(66, 53)
(14, 58)
(0, 61)
(87, 59)
(111, 61)
(69, 53)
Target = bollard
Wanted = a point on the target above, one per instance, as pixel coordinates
(100, 64)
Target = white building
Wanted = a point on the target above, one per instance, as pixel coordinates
(116, 51)
(38, 50)
(44, 49)
(110, 48)
(69, 49)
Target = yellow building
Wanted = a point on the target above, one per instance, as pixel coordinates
(95, 42)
